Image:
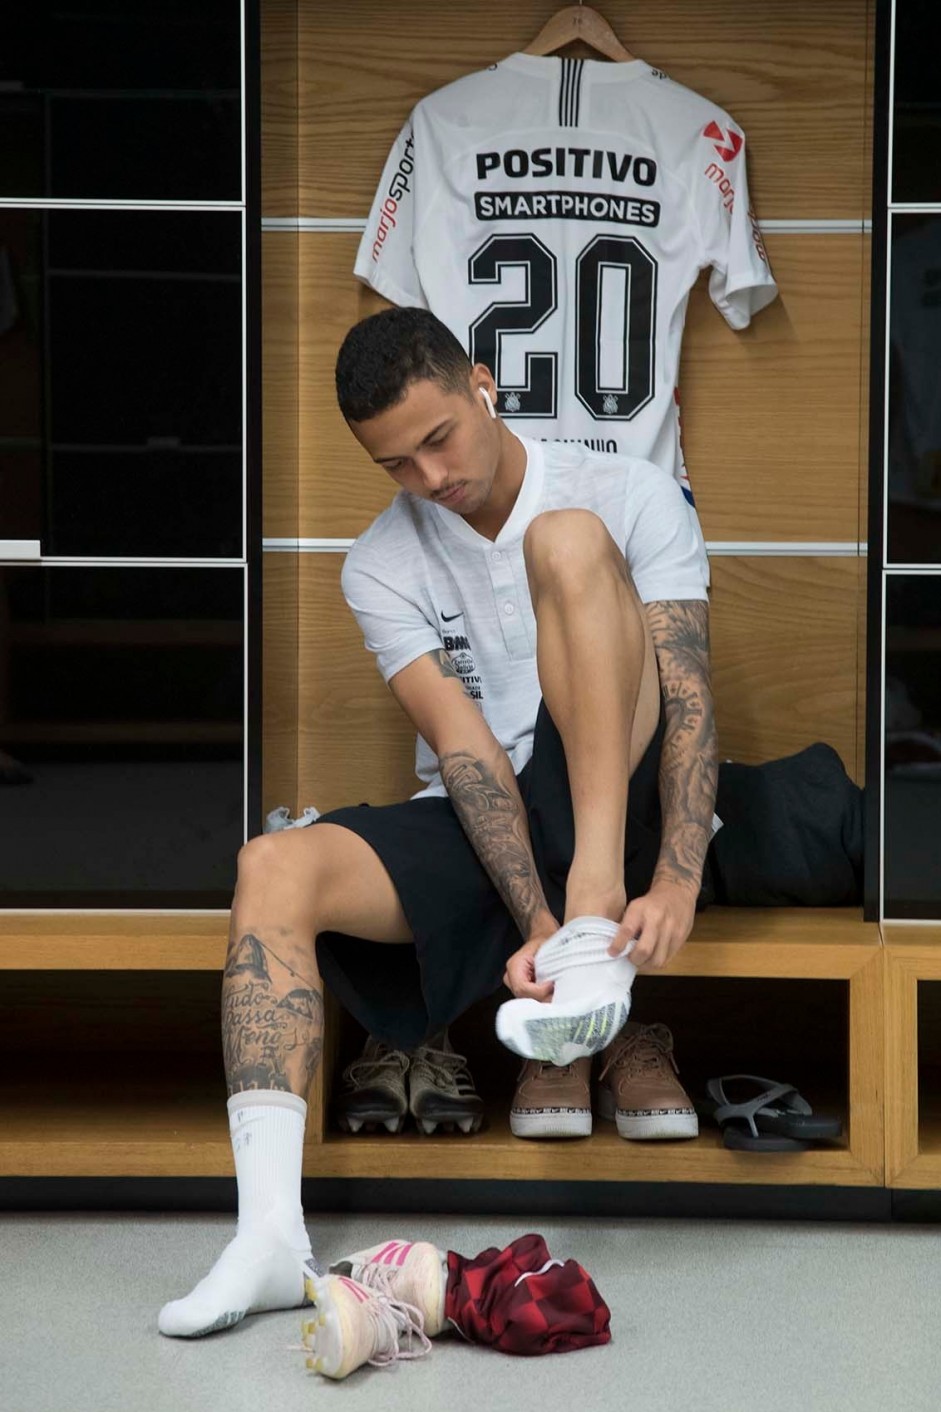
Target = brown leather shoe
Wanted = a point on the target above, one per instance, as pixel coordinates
(638, 1087)
(551, 1101)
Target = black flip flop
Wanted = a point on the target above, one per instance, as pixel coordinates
(737, 1135)
(777, 1119)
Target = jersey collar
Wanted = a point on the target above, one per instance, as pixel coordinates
(527, 503)
(599, 69)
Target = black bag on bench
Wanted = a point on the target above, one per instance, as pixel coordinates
(792, 833)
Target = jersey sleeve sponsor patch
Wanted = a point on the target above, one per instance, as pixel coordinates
(385, 258)
(389, 205)
(741, 282)
(727, 142)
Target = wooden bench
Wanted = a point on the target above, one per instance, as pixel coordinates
(102, 1086)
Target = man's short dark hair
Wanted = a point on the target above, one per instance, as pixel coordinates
(383, 355)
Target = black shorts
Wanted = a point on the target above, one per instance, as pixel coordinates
(463, 931)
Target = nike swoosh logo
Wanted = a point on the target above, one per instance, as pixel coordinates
(451, 618)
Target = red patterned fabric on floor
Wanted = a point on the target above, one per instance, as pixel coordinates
(522, 1301)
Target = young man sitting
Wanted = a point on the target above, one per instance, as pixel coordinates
(540, 612)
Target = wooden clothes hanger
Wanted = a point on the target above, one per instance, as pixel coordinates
(574, 23)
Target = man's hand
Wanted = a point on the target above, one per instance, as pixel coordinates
(661, 921)
(520, 973)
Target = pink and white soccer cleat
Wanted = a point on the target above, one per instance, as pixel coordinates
(352, 1325)
(413, 1272)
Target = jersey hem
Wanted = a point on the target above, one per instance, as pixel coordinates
(763, 294)
(673, 595)
(407, 659)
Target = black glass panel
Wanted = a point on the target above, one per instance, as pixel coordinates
(913, 746)
(121, 99)
(914, 463)
(123, 357)
(21, 375)
(916, 156)
(121, 736)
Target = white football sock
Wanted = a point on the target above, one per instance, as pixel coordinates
(263, 1267)
(576, 958)
(591, 998)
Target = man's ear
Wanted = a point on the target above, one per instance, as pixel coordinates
(484, 386)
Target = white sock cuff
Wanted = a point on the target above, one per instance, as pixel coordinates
(582, 942)
(588, 924)
(270, 1097)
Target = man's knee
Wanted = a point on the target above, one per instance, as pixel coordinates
(333, 874)
(282, 852)
(569, 543)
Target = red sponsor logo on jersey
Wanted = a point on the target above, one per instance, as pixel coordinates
(728, 144)
(756, 236)
(716, 174)
(399, 186)
(720, 178)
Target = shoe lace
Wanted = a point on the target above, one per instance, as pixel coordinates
(446, 1068)
(395, 1319)
(642, 1052)
(383, 1061)
(563, 1071)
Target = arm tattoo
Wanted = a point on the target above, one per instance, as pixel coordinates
(492, 815)
(689, 762)
(268, 1028)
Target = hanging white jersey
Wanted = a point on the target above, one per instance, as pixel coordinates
(555, 213)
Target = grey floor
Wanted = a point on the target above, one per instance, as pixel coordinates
(717, 1315)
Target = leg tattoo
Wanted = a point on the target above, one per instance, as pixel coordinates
(267, 1033)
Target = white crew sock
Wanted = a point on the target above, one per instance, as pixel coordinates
(576, 959)
(590, 1001)
(263, 1267)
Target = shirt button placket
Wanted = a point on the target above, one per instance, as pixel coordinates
(505, 595)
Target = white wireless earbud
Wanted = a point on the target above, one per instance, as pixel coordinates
(486, 396)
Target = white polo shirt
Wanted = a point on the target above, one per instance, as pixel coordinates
(420, 578)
